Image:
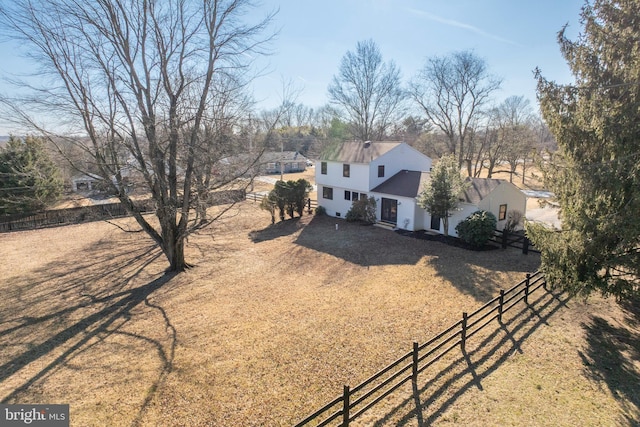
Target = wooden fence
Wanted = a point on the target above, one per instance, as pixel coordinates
(59, 217)
(354, 402)
(257, 197)
(517, 240)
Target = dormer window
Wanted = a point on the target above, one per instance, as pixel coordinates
(323, 168)
(346, 170)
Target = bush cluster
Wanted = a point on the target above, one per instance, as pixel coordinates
(477, 228)
(362, 210)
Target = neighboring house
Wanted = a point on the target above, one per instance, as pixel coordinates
(283, 162)
(85, 182)
(395, 174)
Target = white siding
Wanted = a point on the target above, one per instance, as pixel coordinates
(358, 179)
(401, 157)
(504, 194)
(338, 205)
(406, 210)
(462, 212)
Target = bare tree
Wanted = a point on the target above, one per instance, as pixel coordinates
(508, 134)
(139, 80)
(452, 90)
(516, 125)
(368, 91)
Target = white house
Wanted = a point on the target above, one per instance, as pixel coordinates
(395, 174)
(349, 171)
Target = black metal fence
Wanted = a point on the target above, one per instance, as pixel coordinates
(354, 402)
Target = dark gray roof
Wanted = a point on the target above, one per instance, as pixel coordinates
(357, 152)
(404, 184)
(479, 188)
(411, 183)
(282, 156)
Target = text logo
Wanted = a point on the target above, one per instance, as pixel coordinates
(34, 415)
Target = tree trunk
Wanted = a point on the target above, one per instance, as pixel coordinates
(175, 255)
(173, 244)
(445, 224)
(490, 168)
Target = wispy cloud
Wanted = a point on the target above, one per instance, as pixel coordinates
(458, 24)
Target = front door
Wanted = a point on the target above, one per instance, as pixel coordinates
(435, 222)
(389, 210)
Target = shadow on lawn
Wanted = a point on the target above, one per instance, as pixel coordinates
(274, 231)
(613, 356)
(446, 385)
(66, 309)
(471, 272)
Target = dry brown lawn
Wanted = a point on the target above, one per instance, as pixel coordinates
(272, 321)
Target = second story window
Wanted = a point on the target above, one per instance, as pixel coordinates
(323, 168)
(346, 170)
(380, 171)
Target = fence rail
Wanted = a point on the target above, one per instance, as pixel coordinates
(355, 401)
(513, 240)
(59, 217)
(257, 197)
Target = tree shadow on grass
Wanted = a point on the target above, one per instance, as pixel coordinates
(471, 272)
(53, 315)
(274, 231)
(613, 356)
(449, 382)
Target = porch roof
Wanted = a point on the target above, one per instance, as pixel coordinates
(408, 183)
(405, 183)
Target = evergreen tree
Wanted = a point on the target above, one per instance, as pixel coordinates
(596, 173)
(441, 194)
(29, 179)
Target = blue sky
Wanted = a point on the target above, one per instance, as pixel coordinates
(513, 36)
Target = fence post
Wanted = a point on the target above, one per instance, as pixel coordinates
(309, 205)
(505, 236)
(500, 307)
(345, 406)
(415, 363)
(525, 245)
(526, 289)
(463, 332)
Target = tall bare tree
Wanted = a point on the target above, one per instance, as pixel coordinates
(138, 80)
(510, 134)
(451, 91)
(368, 91)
